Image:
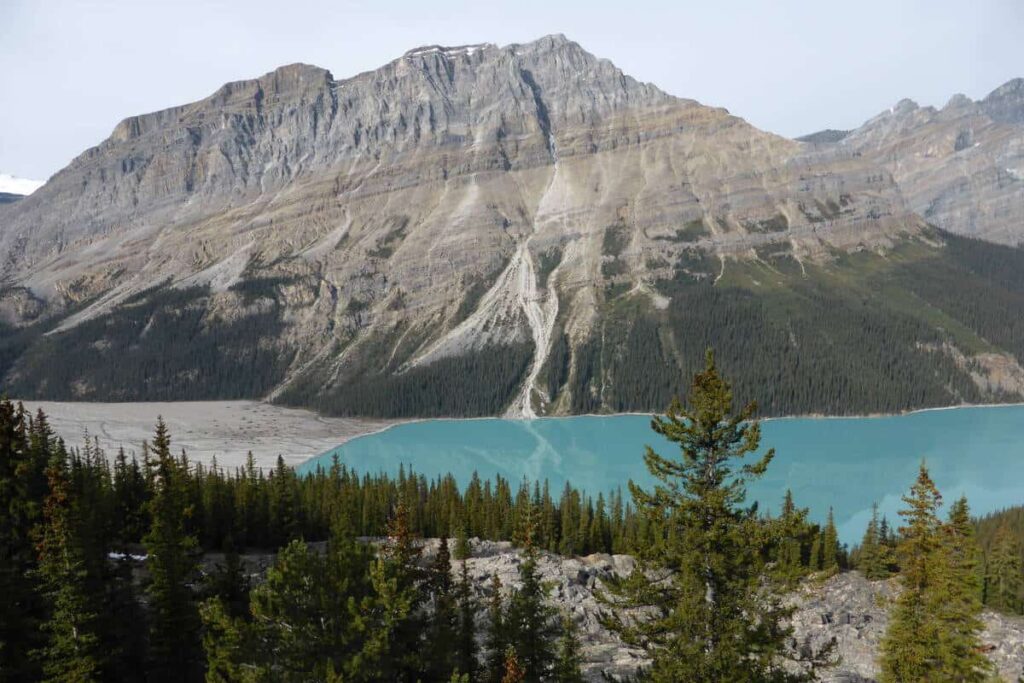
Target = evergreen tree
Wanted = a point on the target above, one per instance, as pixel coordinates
(465, 653)
(22, 488)
(871, 554)
(958, 600)
(530, 621)
(497, 634)
(398, 581)
(1004, 573)
(713, 619)
(284, 524)
(932, 634)
(569, 661)
(174, 616)
(229, 582)
(463, 546)
(73, 650)
(912, 640)
(790, 533)
(830, 551)
(814, 560)
(444, 619)
(314, 617)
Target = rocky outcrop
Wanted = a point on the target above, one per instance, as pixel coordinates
(846, 607)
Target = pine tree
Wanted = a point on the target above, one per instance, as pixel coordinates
(174, 623)
(830, 546)
(814, 561)
(73, 650)
(790, 532)
(315, 617)
(713, 617)
(229, 582)
(497, 634)
(398, 581)
(958, 601)
(530, 621)
(284, 525)
(444, 620)
(463, 546)
(22, 488)
(465, 653)
(1004, 573)
(871, 554)
(933, 632)
(567, 665)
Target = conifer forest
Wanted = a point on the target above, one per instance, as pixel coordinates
(106, 572)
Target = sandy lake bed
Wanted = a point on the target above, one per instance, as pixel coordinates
(205, 429)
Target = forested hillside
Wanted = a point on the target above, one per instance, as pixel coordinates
(916, 326)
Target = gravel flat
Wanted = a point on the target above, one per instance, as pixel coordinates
(225, 429)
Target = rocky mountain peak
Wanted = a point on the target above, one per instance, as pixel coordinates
(958, 101)
(1006, 103)
(455, 200)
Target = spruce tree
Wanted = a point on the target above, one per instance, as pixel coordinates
(958, 601)
(315, 617)
(530, 622)
(567, 665)
(73, 651)
(933, 632)
(444, 619)
(912, 638)
(1004, 573)
(22, 488)
(871, 555)
(465, 650)
(398, 581)
(497, 634)
(713, 616)
(789, 537)
(174, 616)
(830, 546)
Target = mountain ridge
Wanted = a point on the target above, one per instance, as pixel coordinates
(493, 212)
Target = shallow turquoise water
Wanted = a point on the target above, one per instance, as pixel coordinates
(845, 463)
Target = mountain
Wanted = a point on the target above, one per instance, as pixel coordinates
(479, 229)
(961, 167)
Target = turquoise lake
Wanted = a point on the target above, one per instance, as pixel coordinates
(845, 463)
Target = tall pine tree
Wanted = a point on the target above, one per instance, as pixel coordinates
(74, 651)
(174, 646)
(713, 617)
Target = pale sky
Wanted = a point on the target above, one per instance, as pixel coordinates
(69, 71)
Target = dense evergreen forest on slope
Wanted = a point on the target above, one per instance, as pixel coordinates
(160, 345)
(865, 333)
(862, 333)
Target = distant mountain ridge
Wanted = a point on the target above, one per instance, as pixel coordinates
(483, 230)
(961, 167)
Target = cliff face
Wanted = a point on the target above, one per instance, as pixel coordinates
(453, 202)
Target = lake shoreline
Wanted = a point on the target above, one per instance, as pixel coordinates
(398, 422)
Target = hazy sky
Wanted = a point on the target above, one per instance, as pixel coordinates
(69, 71)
